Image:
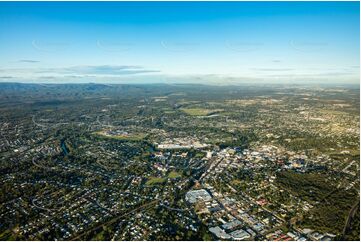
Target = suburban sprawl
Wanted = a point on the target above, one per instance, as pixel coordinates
(179, 162)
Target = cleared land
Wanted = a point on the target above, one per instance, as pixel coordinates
(155, 180)
(174, 174)
(130, 137)
(200, 111)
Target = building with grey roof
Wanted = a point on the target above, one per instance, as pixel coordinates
(198, 195)
(240, 235)
(220, 233)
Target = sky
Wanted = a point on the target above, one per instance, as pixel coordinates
(172, 42)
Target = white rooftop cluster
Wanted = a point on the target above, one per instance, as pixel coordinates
(198, 195)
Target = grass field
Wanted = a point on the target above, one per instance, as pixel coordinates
(168, 111)
(174, 174)
(131, 137)
(199, 111)
(155, 180)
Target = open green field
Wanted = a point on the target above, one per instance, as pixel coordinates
(130, 137)
(174, 174)
(199, 111)
(168, 111)
(155, 180)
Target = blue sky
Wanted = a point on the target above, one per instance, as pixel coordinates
(208, 42)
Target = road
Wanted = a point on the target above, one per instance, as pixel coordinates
(351, 214)
(209, 170)
(37, 124)
(348, 166)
